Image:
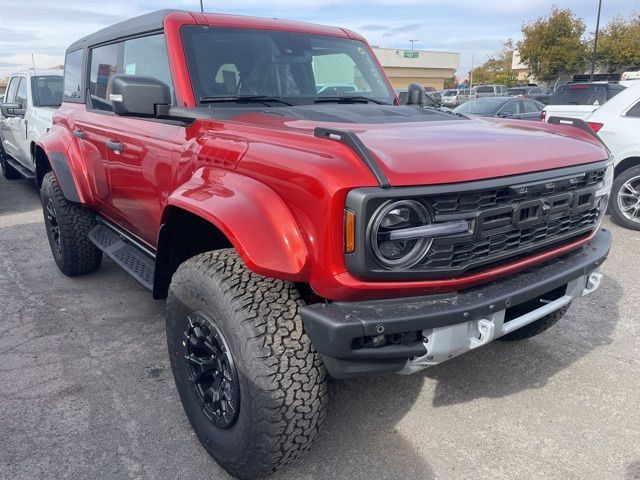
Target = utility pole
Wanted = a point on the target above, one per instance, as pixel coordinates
(471, 75)
(412, 42)
(201, 6)
(595, 42)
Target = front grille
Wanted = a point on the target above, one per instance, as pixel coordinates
(512, 220)
(496, 197)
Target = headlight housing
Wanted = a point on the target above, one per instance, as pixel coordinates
(604, 192)
(399, 253)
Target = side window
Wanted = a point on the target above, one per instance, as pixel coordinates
(147, 56)
(530, 106)
(511, 108)
(21, 94)
(73, 75)
(634, 111)
(11, 90)
(104, 61)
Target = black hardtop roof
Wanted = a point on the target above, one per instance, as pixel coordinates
(136, 25)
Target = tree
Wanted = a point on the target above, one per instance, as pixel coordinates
(554, 45)
(497, 69)
(619, 44)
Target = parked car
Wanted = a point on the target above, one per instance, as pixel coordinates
(270, 217)
(579, 100)
(533, 92)
(505, 107)
(617, 123)
(454, 97)
(25, 115)
(490, 91)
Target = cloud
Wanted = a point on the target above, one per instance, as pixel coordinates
(373, 28)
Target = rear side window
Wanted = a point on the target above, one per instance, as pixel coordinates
(104, 62)
(11, 90)
(73, 76)
(21, 94)
(484, 89)
(511, 108)
(580, 95)
(613, 91)
(147, 56)
(48, 90)
(634, 111)
(530, 106)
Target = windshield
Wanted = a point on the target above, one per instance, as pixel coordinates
(48, 90)
(298, 68)
(516, 91)
(449, 93)
(480, 107)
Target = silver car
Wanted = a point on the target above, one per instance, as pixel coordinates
(491, 91)
(454, 97)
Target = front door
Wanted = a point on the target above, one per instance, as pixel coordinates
(136, 155)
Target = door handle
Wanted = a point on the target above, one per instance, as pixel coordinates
(79, 134)
(115, 146)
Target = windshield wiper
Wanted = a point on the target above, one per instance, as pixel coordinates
(350, 98)
(243, 99)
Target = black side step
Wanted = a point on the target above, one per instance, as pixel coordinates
(25, 172)
(125, 252)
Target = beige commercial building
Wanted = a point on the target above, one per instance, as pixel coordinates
(428, 68)
(522, 70)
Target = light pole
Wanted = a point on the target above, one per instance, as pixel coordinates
(201, 6)
(595, 42)
(412, 42)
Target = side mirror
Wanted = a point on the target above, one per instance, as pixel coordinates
(12, 110)
(138, 95)
(415, 95)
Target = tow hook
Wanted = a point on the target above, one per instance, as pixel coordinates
(486, 329)
(593, 282)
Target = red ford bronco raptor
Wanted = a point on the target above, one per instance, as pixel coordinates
(299, 228)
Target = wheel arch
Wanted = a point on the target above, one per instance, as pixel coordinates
(219, 209)
(626, 164)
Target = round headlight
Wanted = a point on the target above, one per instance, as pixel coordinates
(399, 215)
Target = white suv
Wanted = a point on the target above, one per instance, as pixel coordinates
(617, 123)
(26, 112)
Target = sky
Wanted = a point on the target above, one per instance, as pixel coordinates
(474, 28)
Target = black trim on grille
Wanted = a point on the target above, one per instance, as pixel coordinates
(512, 217)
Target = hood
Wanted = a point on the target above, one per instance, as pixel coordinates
(421, 147)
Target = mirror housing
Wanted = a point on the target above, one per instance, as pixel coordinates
(415, 95)
(138, 95)
(12, 110)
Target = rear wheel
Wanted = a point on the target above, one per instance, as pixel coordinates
(625, 201)
(537, 327)
(68, 225)
(250, 382)
(8, 171)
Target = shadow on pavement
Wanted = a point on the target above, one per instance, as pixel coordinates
(633, 471)
(503, 368)
(360, 439)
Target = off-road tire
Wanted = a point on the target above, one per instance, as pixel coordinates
(282, 381)
(537, 327)
(74, 254)
(8, 171)
(614, 208)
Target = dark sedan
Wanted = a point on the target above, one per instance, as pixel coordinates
(506, 107)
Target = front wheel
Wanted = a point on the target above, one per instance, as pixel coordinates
(8, 171)
(625, 199)
(250, 382)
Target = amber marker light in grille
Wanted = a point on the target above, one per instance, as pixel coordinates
(349, 231)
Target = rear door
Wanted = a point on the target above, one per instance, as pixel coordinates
(20, 124)
(7, 124)
(531, 109)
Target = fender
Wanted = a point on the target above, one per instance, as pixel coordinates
(66, 162)
(253, 218)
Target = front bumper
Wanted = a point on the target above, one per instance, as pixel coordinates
(421, 331)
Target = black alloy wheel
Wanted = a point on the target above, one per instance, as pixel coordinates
(212, 370)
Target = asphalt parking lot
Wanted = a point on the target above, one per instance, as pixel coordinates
(86, 389)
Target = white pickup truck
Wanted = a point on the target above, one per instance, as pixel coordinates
(579, 100)
(25, 115)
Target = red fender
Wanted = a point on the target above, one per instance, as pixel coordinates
(65, 159)
(252, 216)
